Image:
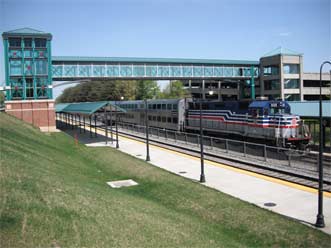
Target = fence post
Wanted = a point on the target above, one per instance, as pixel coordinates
(289, 158)
(226, 146)
(166, 135)
(198, 139)
(244, 149)
(265, 152)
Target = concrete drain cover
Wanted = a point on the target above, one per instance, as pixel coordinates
(122, 183)
(182, 172)
(270, 204)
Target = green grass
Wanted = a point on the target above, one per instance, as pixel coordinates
(53, 193)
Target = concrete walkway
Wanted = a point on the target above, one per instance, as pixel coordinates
(291, 199)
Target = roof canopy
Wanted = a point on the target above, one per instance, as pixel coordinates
(26, 32)
(87, 108)
(282, 51)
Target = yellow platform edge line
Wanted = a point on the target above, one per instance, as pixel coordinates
(250, 173)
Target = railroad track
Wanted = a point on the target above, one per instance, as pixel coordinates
(293, 177)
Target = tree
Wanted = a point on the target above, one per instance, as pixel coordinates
(174, 89)
(147, 89)
(109, 90)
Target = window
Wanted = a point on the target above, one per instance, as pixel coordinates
(164, 119)
(174, 106)
(174, 120)
(28, 67)
(29, 87)
(315, 83)
(154, 118)
(271, 85)
(169, 119)
(15, 67)
(149, 118)
(41, 67)
(164, 106)
(40, 43)
(169, 106)
(158, 106)
(27, 42)
(159, 118)
(291, 69)
(270, 70)
(291, 83)
(15, 42)
(292, 97)
(154, 106)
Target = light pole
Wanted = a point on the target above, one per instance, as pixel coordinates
(320, 217)
(202, 163)
(146, 126)
(116, 120)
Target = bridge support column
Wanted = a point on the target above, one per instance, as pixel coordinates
(39, 113)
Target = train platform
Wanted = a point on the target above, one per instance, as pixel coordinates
(289, 199)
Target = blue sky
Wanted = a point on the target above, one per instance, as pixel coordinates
(222, 29)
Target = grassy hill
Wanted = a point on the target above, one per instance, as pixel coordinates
(54, 194)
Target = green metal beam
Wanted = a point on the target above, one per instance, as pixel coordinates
(252, 83)
(5, 45)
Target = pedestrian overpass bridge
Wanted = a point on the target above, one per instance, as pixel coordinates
(66, 68)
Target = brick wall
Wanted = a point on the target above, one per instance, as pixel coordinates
(39, 113)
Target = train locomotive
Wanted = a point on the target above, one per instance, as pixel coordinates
(269, 121)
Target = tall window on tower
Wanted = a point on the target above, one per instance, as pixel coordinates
(40, 43)
(14, 42)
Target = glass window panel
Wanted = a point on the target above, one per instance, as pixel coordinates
(237, 72)
(27, 42)
(175, 71)
(292, 97)
(228, 71)
(41, 67)
(84, 70)
(151, 71)
(270, 70)
(27, 54)
(99, 70)
(163, 71)
(29, 87)
(291, 84)
(112, 71)
(40, 43)
(57, 70)
(16, 88)
(187, 71)
(138, 71)
(15, 54)
(271, 85)
(291, 68)
(126, 71)
(70, 70)
(218, 71)
(28, 67)
(15, 67)
(197, 71)
(14, 42)
(208, 71)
